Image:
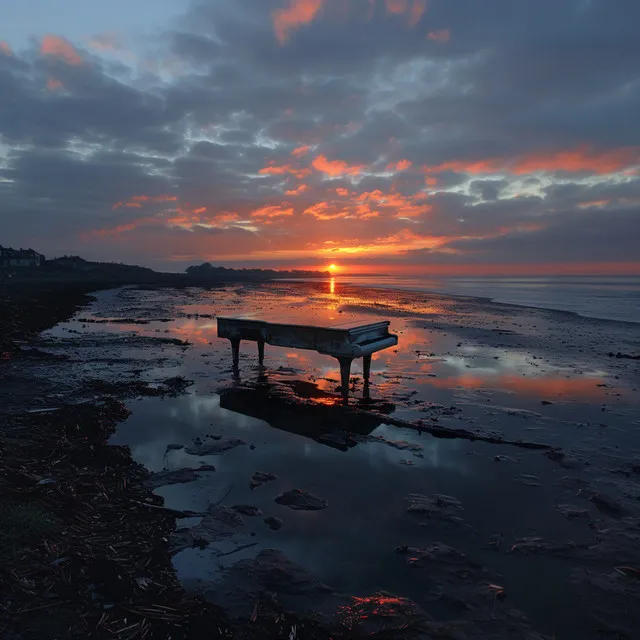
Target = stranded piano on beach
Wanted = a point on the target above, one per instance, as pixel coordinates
(344, 341)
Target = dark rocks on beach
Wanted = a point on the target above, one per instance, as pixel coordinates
(174, 447)
(179, 476)
(435, 506)
(259, 478)
(535, 544)
(572, 512)
(217, 447)
(273, 523)
(301, 500)
(219, 523)
(247, 510)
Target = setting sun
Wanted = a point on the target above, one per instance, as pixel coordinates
(333, 268)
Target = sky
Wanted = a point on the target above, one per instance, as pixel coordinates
(392, 136)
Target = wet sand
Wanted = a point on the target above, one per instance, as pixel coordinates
(556, 529)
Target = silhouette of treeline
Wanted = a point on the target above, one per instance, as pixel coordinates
(208, 272)
(76, 269)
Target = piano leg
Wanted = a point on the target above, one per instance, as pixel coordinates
(235, 351)
(366, 368)
(260, 352)
(345, 375)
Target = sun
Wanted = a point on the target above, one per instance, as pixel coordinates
(333, 268)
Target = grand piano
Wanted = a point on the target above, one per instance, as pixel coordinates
(344, 341)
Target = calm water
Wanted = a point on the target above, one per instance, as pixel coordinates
(606, 297)
(495, 364)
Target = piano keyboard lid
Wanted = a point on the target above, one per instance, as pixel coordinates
(337, 325)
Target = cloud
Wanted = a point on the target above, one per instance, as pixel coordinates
(5, 49)
(297, 14)
(358, 133)
(582, 159)
(336, 168)
(58, 47)
(54, 84)
(301, 151)
(439, 35)
(297, 191)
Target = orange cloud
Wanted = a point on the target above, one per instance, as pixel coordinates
(299, 13)
(440, 35)
(417, 10)
(322, 211)
(297, 191)
(582, 159)
(341, 191)
(336, 168)
(402, 206)
(135, 201)
(53, 84)
(58, 47)
(5, 49)
(397, 6)
(401, 165)
(281, 170)
(414, 9)
(301, 151)
(270, 212)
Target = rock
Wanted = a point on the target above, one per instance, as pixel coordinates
(572, 512)
(259, 478)
(546, 402)
(273, 523)
(529, 480)
(179, 476)
(247, 510)
(435, 506)
(198, 448)
(608, 505)
(536, 544)
(218, 524)
(301, 500)
(174, 447)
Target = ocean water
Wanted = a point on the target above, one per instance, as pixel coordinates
(604, 297)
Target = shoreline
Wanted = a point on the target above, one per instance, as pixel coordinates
(463, 296)
(124, 390)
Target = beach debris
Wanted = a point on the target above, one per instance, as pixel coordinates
(301, 500)
(218, 523)
(273, 523)
(572, 512)
(435, 506)
(535, 544)
(529, 480)
(608, 505)
(494, 541)
(259, 478)
(247, 510)
(626, 356)
(179, 476)
(503, 458)
(408, 463)
(199, 448)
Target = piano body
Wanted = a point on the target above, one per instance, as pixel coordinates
(343, 341)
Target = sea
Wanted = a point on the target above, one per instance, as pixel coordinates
(604, 297)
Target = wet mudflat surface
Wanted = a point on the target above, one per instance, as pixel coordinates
(552, 532)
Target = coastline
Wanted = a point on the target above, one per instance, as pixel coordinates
(414, 285)
(188, 312)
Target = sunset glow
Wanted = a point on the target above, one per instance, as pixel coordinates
(389, 136)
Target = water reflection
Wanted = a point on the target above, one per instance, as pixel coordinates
(322, 420)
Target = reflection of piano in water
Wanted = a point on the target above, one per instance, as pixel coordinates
(344, 341)
(320, 417)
